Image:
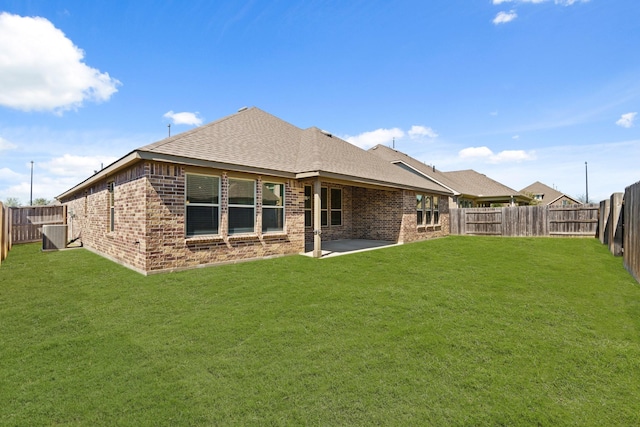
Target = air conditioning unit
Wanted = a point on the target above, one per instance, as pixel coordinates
(54, 237)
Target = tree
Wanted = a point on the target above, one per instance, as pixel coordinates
(534, 201)
(12, 202)
(41, 201)
(581, 198)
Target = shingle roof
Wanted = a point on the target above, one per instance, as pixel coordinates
(255, 140)
(479, 185)
(467, 182)
(394, 156)
(549, 195)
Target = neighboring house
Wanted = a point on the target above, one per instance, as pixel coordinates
(247, 186)
(544, 195)
(469, 188)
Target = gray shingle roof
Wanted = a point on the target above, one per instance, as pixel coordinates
(549, 195)
(479, 185)
(394, 156)
(253, 138)
(466, 182)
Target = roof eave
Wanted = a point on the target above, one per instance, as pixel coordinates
(367, 181)
(429, 177)
(123, 162)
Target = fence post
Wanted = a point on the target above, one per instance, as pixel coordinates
(3, 239)
(615, 224)
(603, 221)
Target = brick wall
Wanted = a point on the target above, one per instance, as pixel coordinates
(149, 228)
(89, 217)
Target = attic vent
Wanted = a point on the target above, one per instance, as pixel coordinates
(243, 109)
(327, 133)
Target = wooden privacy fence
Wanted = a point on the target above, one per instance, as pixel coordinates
(27, 222)
(526, 221)
(631, 230)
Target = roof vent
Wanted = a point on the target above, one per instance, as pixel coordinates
(327, 133)
(243, 109)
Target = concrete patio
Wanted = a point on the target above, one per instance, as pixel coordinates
(348, 246)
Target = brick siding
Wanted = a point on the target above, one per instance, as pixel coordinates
(149, 229)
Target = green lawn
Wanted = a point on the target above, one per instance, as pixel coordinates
(455, 331)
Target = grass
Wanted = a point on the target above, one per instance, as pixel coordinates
(455, 331)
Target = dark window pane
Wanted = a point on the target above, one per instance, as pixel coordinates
(323, 218)
(323, 198)
(272, 194)
(241, 192)
(307, 197)
(419, 217)
(336, 217)
(202, 189)
(202, 220)
(241, 220)
(436, 217)
(428, 217)
(336, 199)
(272, 220)
(308, 220)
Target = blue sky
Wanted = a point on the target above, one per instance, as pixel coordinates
(521, 91)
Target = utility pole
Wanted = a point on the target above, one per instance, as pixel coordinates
(586, 182)
(31, 190)
(169, 126)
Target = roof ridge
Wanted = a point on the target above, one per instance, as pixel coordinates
(186, 133)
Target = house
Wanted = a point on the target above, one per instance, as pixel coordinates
(544, 195)
(247, 186)
(469, 188)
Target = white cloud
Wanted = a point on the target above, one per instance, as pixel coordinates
(478, 152)
(7, 174)
(418, 131)
(379, 136)
(6, 145)
(42, 70)
(184, 118)
(485, 153)
(627, 120)
(569, 2)
(76, 167)
(504, 17)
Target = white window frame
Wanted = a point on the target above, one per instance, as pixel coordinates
(235, 205)
(214, 205)
(275, 207)
(111, 190)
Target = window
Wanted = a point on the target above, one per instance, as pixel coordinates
(202, 205)
(324, 209)
(420, 208)
(242, 206)
(436, 212)
(336, 206)
(308, 214)
(330, 206)
(273, 207)
(428, 210)
(112, 209)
